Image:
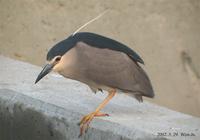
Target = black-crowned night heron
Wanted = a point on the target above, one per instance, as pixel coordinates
(102, 64)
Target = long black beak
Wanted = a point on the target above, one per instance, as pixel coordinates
(47, 68)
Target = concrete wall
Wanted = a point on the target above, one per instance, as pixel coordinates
(161, 31)
(52, 108)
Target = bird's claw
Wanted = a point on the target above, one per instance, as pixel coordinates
(86, 120)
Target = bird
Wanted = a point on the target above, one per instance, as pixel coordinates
(103, 64)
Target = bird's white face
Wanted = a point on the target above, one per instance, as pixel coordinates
(65, 63)
(57, 63)
(62, 64)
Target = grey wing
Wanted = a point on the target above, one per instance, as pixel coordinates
(114, 69)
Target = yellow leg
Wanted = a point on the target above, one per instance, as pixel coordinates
(85, 121)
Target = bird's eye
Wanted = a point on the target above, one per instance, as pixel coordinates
(57, 59)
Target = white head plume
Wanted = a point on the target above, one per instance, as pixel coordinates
(90, 22)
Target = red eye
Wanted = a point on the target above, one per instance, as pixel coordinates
(57, 59)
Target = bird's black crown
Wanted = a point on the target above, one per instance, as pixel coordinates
(93, 40)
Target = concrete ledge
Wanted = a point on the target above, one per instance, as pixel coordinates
(52, 109)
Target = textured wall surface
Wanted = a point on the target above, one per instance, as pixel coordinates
(164, 32)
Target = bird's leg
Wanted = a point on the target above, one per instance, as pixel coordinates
(85, 121)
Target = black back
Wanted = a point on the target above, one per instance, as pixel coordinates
(94, 40)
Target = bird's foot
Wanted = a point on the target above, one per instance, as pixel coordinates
(85, 121)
